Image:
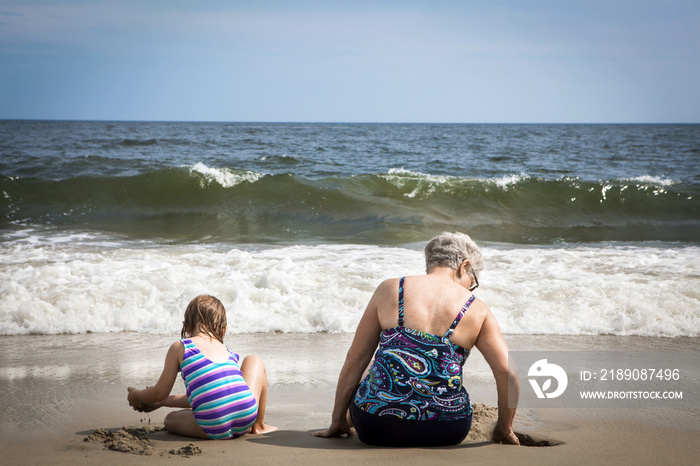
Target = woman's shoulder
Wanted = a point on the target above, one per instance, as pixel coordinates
(394, 281)
(478, 309)
(387, 286)
(476, 314)
(389, 282)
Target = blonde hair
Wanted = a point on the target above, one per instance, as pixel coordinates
(450, 250)
(204, 314)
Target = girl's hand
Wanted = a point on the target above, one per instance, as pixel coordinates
(137, 404)
(147, 407)
(142, 406)
(133, 397)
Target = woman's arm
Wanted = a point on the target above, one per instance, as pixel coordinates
(161, 390)
(356, 361)
(493, 347)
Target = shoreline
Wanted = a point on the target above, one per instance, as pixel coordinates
(68, 386)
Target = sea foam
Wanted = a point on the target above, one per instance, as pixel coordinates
(226, 177)
(82, 283)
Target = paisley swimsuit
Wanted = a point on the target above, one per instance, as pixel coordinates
(413, 394)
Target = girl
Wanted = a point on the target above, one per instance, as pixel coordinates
(223, 400)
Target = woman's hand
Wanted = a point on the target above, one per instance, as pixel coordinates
(505, 436)
(340, 430)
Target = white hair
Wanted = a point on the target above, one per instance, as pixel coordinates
(450, 250)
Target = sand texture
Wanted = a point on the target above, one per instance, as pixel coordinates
(55, 412)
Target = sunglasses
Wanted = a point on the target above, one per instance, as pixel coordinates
(475, 285)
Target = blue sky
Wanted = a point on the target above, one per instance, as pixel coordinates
(462, 61)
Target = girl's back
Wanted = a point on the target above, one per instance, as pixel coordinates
(222, 403)
(211, 348)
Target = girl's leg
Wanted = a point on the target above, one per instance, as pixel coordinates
(182, 423)
(254, 373)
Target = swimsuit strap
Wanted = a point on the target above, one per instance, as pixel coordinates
(401, 301)
(450, 330)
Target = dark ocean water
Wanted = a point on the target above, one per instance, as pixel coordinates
(367, 183)
(116, 226)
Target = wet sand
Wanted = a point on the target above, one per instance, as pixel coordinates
(56, 391)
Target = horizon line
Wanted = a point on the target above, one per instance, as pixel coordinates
(78, 120)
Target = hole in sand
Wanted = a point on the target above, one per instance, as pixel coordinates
(529, 441)
(484, 419)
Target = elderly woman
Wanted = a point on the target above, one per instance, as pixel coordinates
(425, 326)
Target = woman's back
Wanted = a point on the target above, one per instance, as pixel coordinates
(416, 375)
(431, 304)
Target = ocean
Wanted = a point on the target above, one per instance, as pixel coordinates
(115, 226)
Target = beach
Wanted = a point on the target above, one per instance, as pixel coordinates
(65, 387)
(108, 230)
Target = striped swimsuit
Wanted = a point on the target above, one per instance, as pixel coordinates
(223, 405)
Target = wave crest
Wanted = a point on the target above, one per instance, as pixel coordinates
(225, 177)
(399, 205)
